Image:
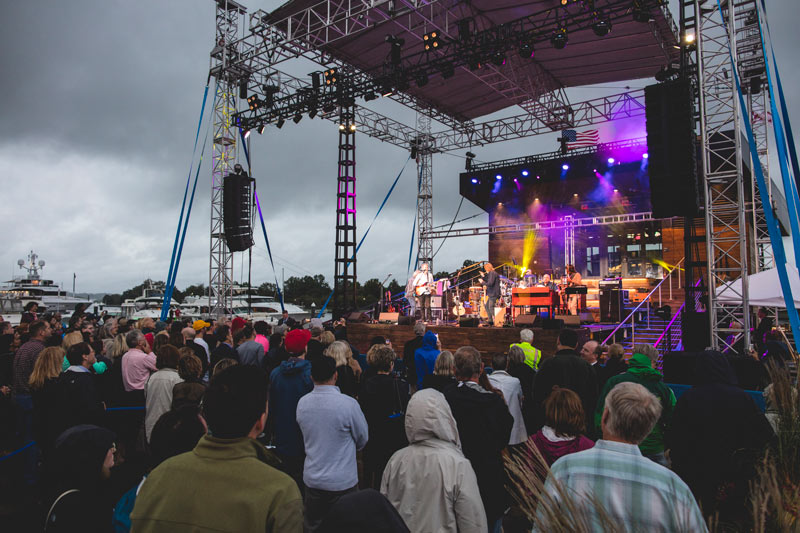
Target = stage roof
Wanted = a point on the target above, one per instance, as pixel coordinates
(633, 50)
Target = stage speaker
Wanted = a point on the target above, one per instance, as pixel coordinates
(695, 334)
(672, 154)
(572, 321)
(610, 305)
(406, 321)
(471, 322)
(552, 323)
(389, 318)
(237, 212)
(678, 367)
(526, 320)
(357, 316)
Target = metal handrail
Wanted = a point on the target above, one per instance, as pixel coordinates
(646, 299)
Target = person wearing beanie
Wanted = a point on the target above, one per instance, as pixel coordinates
(289, 382)
(82, 459)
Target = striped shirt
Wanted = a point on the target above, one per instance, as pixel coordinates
(632, 490)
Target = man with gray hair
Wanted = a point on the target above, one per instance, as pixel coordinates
(533, 356)
(635, 492)
(138, 362)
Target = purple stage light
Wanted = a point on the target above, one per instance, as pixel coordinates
(610, 160)
(565, 167)
(645, 156)
(474, 180)
(538, 177)
(498, 177)
(615, 190)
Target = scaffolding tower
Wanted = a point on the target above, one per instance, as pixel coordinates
(425, 146)
(344, 280)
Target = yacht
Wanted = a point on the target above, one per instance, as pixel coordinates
(148, 305)
(16, 293)
(246, 305)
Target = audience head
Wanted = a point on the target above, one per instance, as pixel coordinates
(190, 367)
(630, 413)
(262, 328)
(377, 339)
(39, 330)
(83, 456)
(223, 334)
(445, 364)
(70, 339)
(516, 356)
(235, 404)
(526, 335)
(81, 354)
(188, 334)
(589, 351)
(222, 364)
(563, 411)
(199, 326)
(567, 339)
(237, 323)
(323, 370)
(468, 363)
(419, 328)
(327, 338)
(381, 358)
(499, 361)
(296, 342)
(316, 331)
(135, 339)
(176, 432)
(167, 356)
(48, 365)
(339, 351)
(648, 350)
(615, 351)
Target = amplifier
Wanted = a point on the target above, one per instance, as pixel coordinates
(611, 283)
(577, 290)
(389, 318)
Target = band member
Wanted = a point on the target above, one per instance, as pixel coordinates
(544, 281)
(422, 282)
(573, 280)
(492, 282)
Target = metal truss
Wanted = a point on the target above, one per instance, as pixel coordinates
(549, 225)
(424, 145)
(220, 276)
(569, 240)
(344, 280)
(726, 222)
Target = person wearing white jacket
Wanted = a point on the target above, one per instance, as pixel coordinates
(430, 482)
(512, 394)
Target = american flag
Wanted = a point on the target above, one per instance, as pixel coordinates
(582, 139)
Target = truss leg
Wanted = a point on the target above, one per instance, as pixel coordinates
(220, 276)
(726, 222)
(344, 280)
(425, 148)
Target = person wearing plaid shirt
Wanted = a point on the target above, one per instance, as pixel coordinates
(614, 479)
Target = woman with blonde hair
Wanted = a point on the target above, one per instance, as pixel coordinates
(44, 390)
(340, 352)
(443, 373)
(71, 339)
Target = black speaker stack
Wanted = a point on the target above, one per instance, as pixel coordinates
(237, 211)
(671, 148)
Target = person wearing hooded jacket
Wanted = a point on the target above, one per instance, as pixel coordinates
(641, 370)
(448, 500)
(716, 436)
(425, 357)
(290, 382)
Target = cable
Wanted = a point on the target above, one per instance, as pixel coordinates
(450, 228)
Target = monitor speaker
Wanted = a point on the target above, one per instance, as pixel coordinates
(552, 323)
(526, 320)
(672, 154)
(406, 321)
(572, 321)
(390, 318)
(357, 316)
(471, 322)
(237, 212)
(695, 331)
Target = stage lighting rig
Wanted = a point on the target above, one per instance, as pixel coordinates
(639, 12)
(331, 76)
(297, 117)
(526, 50)
(601, 26)
(559, 38)
(253, 102)
(396, 50)
(470, 158)
(431, 41)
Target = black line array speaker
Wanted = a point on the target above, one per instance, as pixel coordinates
(672, 154)
(237, 211)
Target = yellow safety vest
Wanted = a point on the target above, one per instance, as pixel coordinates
(532, 355)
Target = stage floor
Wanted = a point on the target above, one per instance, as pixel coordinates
(487, 340)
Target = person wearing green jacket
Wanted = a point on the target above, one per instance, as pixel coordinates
(228, 482)
(641, 370)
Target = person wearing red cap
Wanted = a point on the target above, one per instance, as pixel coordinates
(237, 323)
(290, 382)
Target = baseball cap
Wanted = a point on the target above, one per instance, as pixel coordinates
(296, 341)
(197, 325)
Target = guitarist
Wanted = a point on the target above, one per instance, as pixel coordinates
(492, 283)
(422, 282)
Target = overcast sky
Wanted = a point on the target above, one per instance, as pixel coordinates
(99, 106)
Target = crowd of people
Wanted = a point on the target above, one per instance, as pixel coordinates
(227, 425)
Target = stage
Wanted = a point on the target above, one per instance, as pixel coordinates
(487, 340)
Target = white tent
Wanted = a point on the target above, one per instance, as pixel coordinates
(764, 288)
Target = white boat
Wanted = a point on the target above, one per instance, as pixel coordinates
(251, 306)
(148, 305)
(31, 287)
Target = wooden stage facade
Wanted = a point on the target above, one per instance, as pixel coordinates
(487, 340)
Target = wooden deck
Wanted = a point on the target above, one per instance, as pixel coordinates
(486, 340)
